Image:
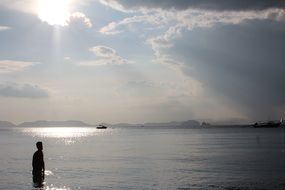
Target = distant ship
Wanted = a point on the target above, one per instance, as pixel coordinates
(269, 124)
(101, 127)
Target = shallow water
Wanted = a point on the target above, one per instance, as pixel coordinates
(141, 158)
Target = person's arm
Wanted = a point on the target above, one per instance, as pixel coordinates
(33, 163)
(43, 167)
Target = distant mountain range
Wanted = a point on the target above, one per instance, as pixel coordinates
(7, 124)
(189, 123)
(43, 123)
(76, 123)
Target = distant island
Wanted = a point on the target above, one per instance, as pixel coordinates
(7, 124)
(44, 123)
(172, 124)
(76, 123)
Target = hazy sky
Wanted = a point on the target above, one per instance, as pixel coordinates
(142, 61)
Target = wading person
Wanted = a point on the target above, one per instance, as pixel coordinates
(38, 166)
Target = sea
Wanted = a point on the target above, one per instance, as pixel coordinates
(145, 158)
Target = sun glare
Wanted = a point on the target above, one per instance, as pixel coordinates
(61, 132)
(54, 12)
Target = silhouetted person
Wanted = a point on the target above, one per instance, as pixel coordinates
(38, 166)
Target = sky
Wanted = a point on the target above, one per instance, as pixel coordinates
(142, 61)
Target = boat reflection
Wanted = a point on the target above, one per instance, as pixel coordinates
(61, 132)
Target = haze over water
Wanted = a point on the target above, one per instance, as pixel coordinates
(139, 158)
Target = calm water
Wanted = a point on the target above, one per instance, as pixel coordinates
(146, 158)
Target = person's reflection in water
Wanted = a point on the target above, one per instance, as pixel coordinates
(38, 166)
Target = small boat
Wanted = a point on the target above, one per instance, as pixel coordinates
(269, 124)
(101, 127)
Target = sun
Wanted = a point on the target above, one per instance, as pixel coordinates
(54, 12)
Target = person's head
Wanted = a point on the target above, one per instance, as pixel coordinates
(39, 145)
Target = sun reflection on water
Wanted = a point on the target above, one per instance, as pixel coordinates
(62, 132)
(56, 188)
(51, 187)
(48, 173)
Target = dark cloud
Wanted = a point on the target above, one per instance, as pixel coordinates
(243, 63)
(201, 4)
(22, 91)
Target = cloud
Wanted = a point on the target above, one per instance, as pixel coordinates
(178, 21)
(242, 65)
(7, 66)
(110, 29)
(105, 56)
(153, 19)
(103, 51)
(189, 19)
(220, 5)
(22, 91)
(81, 17)
(3, 28)
(28, 6)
